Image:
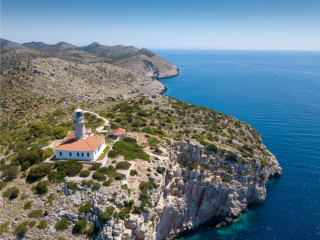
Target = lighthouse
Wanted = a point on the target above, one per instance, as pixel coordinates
(79, 124)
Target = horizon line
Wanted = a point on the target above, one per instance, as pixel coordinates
(177, 48)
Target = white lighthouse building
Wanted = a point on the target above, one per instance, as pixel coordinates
(79, 124)
(80, 146)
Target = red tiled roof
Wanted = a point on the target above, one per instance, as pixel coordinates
(119, 131)
(88, 144)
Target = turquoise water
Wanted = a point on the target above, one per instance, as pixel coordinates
(279, 94)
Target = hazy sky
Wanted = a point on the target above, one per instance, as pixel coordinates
(207, 24)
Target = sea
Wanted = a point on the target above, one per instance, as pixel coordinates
(278, 93)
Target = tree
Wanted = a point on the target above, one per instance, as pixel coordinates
(37, 129)
(60, 132)
(38, 172)
(42, 187)
(73, 168)
(112, 153)
(28, 158)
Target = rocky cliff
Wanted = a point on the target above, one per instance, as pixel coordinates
(187, 198)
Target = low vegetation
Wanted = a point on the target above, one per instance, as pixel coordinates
(129, 148)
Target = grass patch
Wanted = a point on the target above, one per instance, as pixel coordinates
(129, 148)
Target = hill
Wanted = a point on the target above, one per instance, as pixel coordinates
(142, 61)
(48, 47)
(6, 45)
(71, 75)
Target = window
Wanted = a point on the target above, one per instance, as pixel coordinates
(78, 154)
(70, 154)
(60, 153)
(88, 155)
(81, 154)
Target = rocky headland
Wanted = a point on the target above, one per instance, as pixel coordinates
(185, 165)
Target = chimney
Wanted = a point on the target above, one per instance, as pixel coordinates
(63, 141)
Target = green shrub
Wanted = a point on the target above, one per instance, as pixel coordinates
(96, 186)
(73, 168)
(125, 212)
(137, 210)
(125, 187)
(27, 205)
(36, 214)
(38, 172)
(264, 162)
(10, 173)
(105, 216)
(133, 172)
(160, 170)
(187, 163)
(85, 208)
(72, 186)
(42, 187)
(84, 173)
(112, 153)
(4, 227)
(59, 132)
(32, 224)
(57, 177)
(107, 183)
(62, 225)
(48, 152)
(3, 185)
(86, 183)
(80, 226)
(11, 193)
(94, 167)
(99, 176)
(21, 229)
(111, 172)
(26, 158)
(42, 225)
(212, 148)
(37, 129)
(231, 156)
(123, 165)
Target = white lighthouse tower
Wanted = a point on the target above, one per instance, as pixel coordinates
(79, 124)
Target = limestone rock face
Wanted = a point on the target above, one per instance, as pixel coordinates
(186, 198)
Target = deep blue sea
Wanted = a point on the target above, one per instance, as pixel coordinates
(278, 92)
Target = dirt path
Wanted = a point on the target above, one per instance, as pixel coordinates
(106, 122)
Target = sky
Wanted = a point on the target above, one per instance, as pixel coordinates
(166, 24)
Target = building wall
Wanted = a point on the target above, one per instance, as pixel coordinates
(77, 155)
(65, 154)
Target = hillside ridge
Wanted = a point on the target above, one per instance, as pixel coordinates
(142, 61)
